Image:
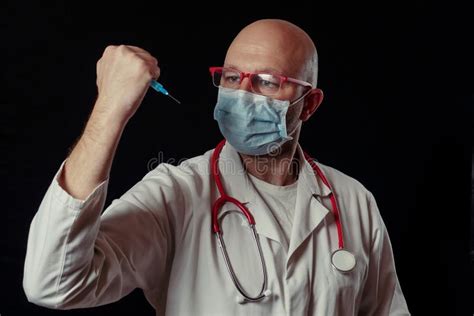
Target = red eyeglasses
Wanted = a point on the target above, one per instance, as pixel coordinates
(261, 83)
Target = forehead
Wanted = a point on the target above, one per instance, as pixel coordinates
(252, 56)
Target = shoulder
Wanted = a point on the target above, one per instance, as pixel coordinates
(167, 184)
(188, 172)
(353, 197)
(343, 183)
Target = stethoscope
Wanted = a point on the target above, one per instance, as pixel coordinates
(341, 259)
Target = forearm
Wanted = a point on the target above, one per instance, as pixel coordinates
(91, 159)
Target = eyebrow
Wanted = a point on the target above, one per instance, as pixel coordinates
(262, 70)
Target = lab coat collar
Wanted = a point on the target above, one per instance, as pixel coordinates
(238, 185)
(309, 212)
(311, 179)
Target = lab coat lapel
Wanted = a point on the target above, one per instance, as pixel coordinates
(238, 185)
(309, 212)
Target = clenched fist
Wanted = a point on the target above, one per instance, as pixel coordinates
(123, 77)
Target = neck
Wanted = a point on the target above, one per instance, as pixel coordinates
(279, 168)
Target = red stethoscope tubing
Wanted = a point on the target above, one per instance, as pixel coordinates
(335, 208)
(224, 198)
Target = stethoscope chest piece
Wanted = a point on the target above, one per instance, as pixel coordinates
(343, 260)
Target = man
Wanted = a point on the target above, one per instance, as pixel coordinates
(159, 236)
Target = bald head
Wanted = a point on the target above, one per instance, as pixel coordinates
(275, 45)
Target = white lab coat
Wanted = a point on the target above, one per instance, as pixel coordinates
(157, 237)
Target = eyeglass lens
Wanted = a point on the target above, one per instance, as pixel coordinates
(266, 84)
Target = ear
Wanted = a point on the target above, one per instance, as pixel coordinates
(312, 102)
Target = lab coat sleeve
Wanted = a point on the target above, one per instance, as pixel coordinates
(382, 293)
(78, 258)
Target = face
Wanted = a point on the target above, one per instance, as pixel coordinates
(255, 52)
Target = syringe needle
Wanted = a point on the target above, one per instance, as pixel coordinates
(177, 101)
(159, 87)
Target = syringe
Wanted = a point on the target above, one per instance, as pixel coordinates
(159, 87)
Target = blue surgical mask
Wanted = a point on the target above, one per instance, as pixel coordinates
(253, 124)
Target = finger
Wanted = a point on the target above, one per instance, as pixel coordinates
(154, 71)
(147, 57)
(137, 49)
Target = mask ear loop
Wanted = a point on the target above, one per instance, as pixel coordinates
(301, 97)
(294, 129)
(300, 121)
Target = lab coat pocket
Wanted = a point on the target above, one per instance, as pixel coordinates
(343, 289)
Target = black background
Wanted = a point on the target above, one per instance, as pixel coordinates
(397, 116)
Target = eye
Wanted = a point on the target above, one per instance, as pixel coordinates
(231, 77)
(268, 82)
